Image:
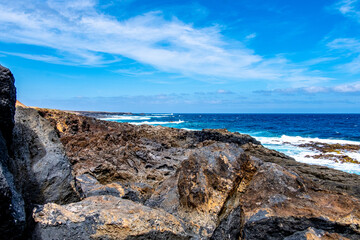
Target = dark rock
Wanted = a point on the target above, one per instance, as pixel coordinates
(230, 227)
(296, 228)
(7, 103)
(91, 187)
(323, 177)
(41, 168)
(313, 233)
(12, 212)
(217, 184)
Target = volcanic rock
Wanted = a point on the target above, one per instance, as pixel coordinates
(105, 217)
(12, 212)
(217, 184)
(7, 103)
(41, 168)
(209, 184)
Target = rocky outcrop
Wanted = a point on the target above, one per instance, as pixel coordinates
(146, 182)
(12, 213)
(217, 184)
(105, 217)
(322, 177)
(41, 167)
(7, 103)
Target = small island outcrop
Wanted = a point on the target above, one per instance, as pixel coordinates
(68, 176)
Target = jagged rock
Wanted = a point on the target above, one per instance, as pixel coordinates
(279, 203)
(200, 192)
(105, 217)
(91, 187)
(323, 177)
(12, 211)
(7, 103)
(230, 227)
(315, 234)
(220, 185)
(41, 169)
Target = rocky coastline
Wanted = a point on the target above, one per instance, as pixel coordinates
(67, 175)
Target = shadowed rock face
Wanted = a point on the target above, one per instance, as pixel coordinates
(216, 184)
(41, 168)
(12, 213)
(7, 103)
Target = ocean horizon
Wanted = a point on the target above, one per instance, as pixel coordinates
(293, 134)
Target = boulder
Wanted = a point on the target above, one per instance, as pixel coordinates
(315, 234)
(41, 168)
(91, 187)
(219, 185)
(12, 212)
(7, 103)
(200, 191)
(278, 203)
(105, 217)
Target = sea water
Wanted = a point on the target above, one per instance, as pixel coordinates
(281, 132)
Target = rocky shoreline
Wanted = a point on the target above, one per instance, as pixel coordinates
(69, 176)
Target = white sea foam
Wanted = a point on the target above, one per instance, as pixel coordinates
(122, 118)
(286, 144)
(300, 140)
(191, 129)
(156, 123)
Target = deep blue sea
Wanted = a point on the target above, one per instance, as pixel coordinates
(281, 132)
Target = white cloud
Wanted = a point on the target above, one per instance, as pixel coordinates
(349, 8)
(251, 36)
(345, 88)
(353, 87)
(81, 34)
(352, 47)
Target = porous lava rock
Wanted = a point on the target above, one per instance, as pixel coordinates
(12, 211)
(41, 168)
(217, 184)
(105, 217)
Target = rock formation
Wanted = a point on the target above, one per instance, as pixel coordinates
(12, 213)
(219, 185)
(42, 170)
(82, 178)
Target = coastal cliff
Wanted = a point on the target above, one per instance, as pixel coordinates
(77, 177)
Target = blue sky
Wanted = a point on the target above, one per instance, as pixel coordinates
(184, 56)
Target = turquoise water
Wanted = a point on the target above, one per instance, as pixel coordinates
(281, 132)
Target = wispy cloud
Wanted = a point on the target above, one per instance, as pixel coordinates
(353, 87)
(82, 34)
(351, 48)
(349, 8)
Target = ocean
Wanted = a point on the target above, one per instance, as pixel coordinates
(286, 133)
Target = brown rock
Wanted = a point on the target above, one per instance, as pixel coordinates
(105, 217)
(220, 185)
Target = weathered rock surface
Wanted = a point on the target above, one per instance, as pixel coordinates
(12, 212)
(200, 191)
(7, 103)
(105, 217)
(315, 234)
(91, 187)
(41, 168)
(322, 177)
(217, 184)
(279, 203)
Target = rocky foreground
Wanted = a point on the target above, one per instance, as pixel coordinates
(68, 176)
